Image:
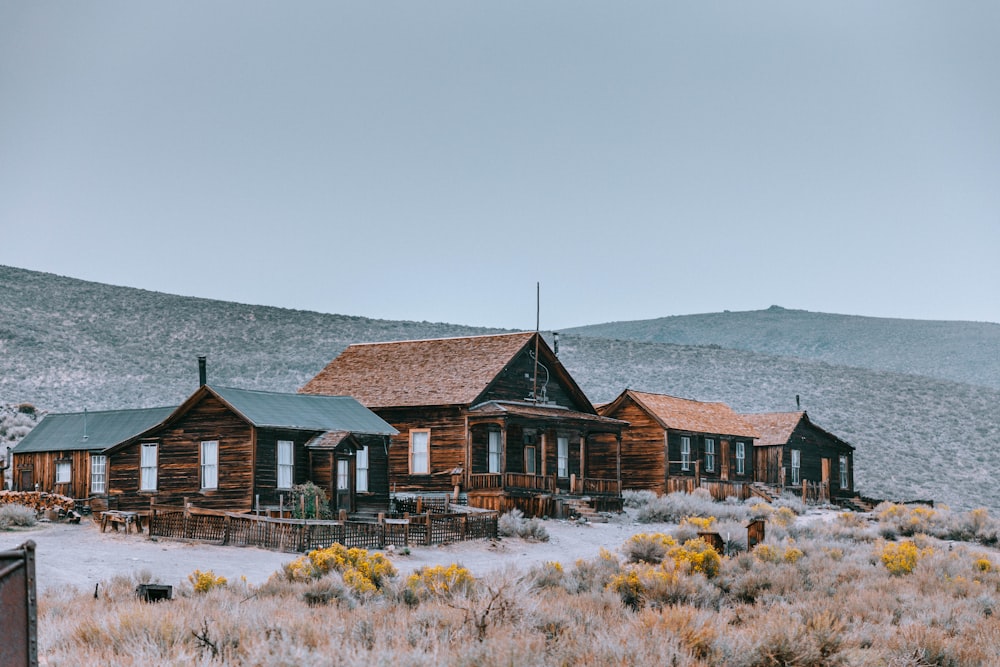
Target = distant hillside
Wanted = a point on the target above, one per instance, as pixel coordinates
(67, 344)
(960, 351)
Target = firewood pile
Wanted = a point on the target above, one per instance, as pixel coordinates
(37, 500)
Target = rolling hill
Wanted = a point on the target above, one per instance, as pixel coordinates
(961, 351)
(67, 344)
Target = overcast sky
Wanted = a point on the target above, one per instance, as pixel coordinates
(434, 160)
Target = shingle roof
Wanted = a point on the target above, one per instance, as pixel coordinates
(441, 371)
(775, 428)
(684, 414)
(303, 411)
(67, 431)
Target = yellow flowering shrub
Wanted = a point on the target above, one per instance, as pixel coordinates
(983, 564)
(696, 556)
(792, 554)
(206, 581)
(439, 581)
(766, 553)
(784, 516)
(901, 557)
(703, 524)
(363, 572)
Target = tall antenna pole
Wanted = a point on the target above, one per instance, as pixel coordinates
(538, 317)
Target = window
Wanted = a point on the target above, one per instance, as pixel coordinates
(741, 458)
(562, 456)
(286, 465)
(529, 460)
(685, 452)
(493, 455)
(98, 473)
(420, 451)
(343, 475)
(709, 454)
(361, 471)
(147, 467)
(843, 473)
(63, 472)
(796, 466)
(210, 464)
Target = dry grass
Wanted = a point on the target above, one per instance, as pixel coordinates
(823, 595)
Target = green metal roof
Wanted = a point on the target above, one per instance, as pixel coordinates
(307, 412)
(89, 430)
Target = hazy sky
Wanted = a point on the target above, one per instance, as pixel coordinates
(434, 160)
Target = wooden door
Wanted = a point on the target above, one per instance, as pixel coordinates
(27, 479)
(343, 484)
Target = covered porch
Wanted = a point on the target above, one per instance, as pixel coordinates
(525, 449)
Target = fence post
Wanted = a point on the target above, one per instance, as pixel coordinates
(185, 520)
(428, 529)
(420, 504)
(805, 491)
(465, 525)
(225, 530)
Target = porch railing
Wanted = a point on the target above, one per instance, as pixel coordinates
(542, 483)
(592, 486)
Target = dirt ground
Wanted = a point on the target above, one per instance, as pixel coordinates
(82, 556)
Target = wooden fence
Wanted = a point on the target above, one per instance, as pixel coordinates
(300, 535)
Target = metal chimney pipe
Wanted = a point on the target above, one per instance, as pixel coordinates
(202, 371)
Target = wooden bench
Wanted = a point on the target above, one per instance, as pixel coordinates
(116, 518)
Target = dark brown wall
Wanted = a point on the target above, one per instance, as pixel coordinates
(643, 462)
(816, 445)
(698, 454)
(43, 470)
(447, 446)
(179, 462)
(511, 385)
(266, 472)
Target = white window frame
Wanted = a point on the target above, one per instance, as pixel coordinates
(148, 461)
(796, 466)
(493, 449)
(843, 473)
(361, 470)
(98, 473)
(285, 456)
(209, 465)
(343, 474)
(741, 458)
(529, 460)
(64, 472)
(709, 454)
(420, 451)
(562, 456)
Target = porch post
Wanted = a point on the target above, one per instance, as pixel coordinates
(618, 441)
(544, 453)
(503, 448)
(468, 453)
(583, 455)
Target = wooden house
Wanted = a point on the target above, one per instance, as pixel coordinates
(237, 450)
(495, 416)
(64, 452)
(792, 450)
(678, 444)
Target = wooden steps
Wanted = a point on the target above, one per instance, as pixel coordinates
(856, 504)
(765, 492)
(581, 508)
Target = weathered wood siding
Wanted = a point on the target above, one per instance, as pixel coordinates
(512, 385)
(179, 462)
(816, 445)
(43, 472)
(643, 449)
(767, 464)
(377, 498)
(266, 471)
(725, 455)
(447, 446)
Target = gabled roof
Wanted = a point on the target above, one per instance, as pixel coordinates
(552, 412)
(684, 414)
(439, 371)
(267, 409)
(302, 412)
(776, 428)
(84, 431)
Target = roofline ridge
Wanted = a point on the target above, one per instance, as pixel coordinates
(99, 412)
(681, 398)
(426, 340)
